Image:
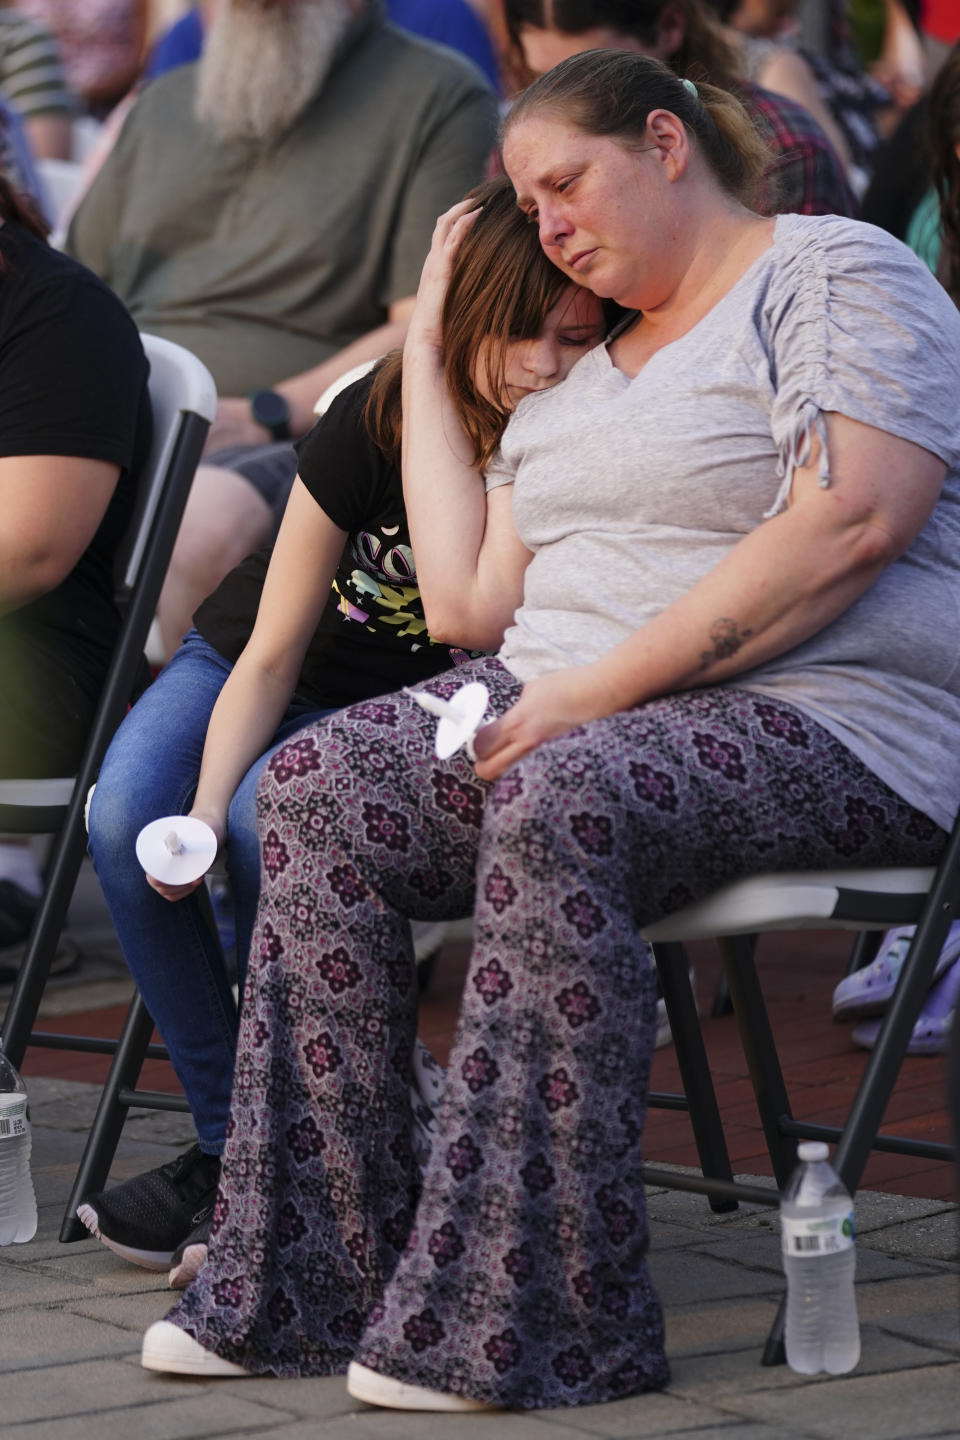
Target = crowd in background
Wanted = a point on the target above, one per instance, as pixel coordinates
(861, 68)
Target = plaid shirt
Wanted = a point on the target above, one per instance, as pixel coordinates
(806, 176)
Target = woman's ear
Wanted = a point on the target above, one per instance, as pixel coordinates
(668, 135)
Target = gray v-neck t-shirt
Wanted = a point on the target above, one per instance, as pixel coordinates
(629, 491)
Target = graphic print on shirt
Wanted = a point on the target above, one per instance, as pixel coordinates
(376, 585)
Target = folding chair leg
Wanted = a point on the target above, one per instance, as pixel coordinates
(704, 1111)
(111, 1113)
(760, 1051)
(865, 950)
(722, 1004)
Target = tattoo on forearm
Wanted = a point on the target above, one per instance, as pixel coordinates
(726, 639)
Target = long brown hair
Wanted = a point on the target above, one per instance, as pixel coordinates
(704, 52)
(501, 289)
(611, 92)
(944, 137)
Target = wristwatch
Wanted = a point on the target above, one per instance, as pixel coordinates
(269, 409)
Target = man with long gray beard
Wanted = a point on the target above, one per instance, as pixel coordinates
(270, 207)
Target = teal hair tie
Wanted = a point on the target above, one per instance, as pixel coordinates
(690, 88)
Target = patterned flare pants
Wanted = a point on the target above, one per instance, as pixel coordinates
(514, 1271)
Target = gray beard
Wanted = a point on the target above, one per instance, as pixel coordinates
(261, 68)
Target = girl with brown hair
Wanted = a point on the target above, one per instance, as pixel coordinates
(333, 616)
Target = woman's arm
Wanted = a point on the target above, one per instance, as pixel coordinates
(783, 582)
(50, 509)
(261, 684)
(470, 560)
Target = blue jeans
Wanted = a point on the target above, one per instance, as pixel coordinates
(172, 948)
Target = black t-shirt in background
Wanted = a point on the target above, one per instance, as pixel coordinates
(372, 637)
(73, 381)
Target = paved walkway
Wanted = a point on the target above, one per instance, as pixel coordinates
(71, 1319)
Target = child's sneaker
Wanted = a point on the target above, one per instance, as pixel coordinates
(146, 1218)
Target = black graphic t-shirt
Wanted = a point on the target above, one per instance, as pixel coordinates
(372, 637)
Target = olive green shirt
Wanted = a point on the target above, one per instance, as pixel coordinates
(265, 259)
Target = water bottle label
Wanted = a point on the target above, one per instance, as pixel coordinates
(803, 1238)
(13, 1117)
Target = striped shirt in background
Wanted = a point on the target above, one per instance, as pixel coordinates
(31, 78)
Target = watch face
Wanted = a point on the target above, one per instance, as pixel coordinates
(270, 410)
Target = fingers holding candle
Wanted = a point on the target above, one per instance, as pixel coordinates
(176, 851)
(460, 717)
(549, 706)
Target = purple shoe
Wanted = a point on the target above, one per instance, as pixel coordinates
(931, 1034)
(867, 991)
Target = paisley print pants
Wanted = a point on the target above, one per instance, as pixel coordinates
(514, 1270)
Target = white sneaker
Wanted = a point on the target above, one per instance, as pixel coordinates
(375, 1389)
(168, 1348)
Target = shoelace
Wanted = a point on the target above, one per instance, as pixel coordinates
(190, 1176)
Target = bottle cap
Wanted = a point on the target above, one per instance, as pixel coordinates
(813, 1150)
(176, 849)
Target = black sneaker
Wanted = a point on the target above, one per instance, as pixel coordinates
(145, 1219)
(188, 1257)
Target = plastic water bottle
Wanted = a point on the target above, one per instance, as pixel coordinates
(816, 1222)
(18, 1203)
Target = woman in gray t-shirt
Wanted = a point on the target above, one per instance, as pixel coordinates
(683, 698)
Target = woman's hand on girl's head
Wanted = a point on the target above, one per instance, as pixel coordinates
(448, 234)
(548, 707)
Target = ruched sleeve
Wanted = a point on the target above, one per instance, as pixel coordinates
(854, 323)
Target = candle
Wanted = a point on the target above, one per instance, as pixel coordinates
(443, 709)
